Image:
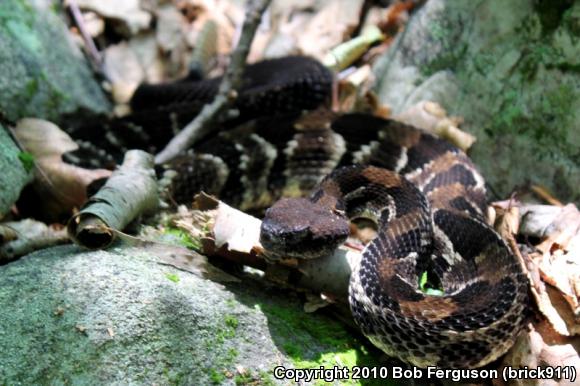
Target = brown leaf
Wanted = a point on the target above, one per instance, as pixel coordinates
(542, 347)
(333, 22)
(432, 117)
(124, 71)
(128, 14)
(61, 186)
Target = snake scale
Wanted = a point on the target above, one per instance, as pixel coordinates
(426, 197)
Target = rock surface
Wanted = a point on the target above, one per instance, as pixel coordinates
(44, 74)
(123, 317)
(512, 70)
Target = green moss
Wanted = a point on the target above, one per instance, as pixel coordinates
(231, 303)
(537, 119)
(438, 32)
(56, 8)
(232, 353)
(27, 160)
(266, 378)
(571, 20)
(260, 378)
(229, 329)
(296, 331)
(231, 321)
(173, 378)
(453, 50)
(216, 343)
(184, 238)
(31, 88)
(17, 10)
(244, 379)
(173, 277)
(216, 377)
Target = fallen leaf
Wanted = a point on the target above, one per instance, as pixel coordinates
(127, 13)
(94, 24)
(25, 236)
(124, 71)
(61, 186)
(542, 347)
(169, 28)
(329, 26)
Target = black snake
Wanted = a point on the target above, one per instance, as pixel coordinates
(426, 196)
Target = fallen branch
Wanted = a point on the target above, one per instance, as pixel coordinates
(129, 192)
(227, 93)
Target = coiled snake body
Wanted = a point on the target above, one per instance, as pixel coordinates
(426, 196)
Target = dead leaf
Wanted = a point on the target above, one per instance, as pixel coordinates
(226, 15)
(558, 226)
(26, 236)
(150, 59)
(61, 186)
(560, 302)
(507, 220)
(329, 26)
(129, 15)
(541, 347)
(124, 71)
(353, 89)
(232, 228)
(94, 24)
(169, 28)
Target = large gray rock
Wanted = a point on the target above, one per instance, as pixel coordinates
(511, 69)
(43, 74)
(123, 317)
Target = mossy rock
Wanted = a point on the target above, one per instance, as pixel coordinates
(125, 317)
(15, 167)
(44, 74)
(512, 70)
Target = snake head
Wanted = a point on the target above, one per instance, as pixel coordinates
(299, 228)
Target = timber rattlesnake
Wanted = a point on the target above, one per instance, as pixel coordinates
(426, 196)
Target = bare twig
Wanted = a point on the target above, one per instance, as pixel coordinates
(227, 92)
(92, 51)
